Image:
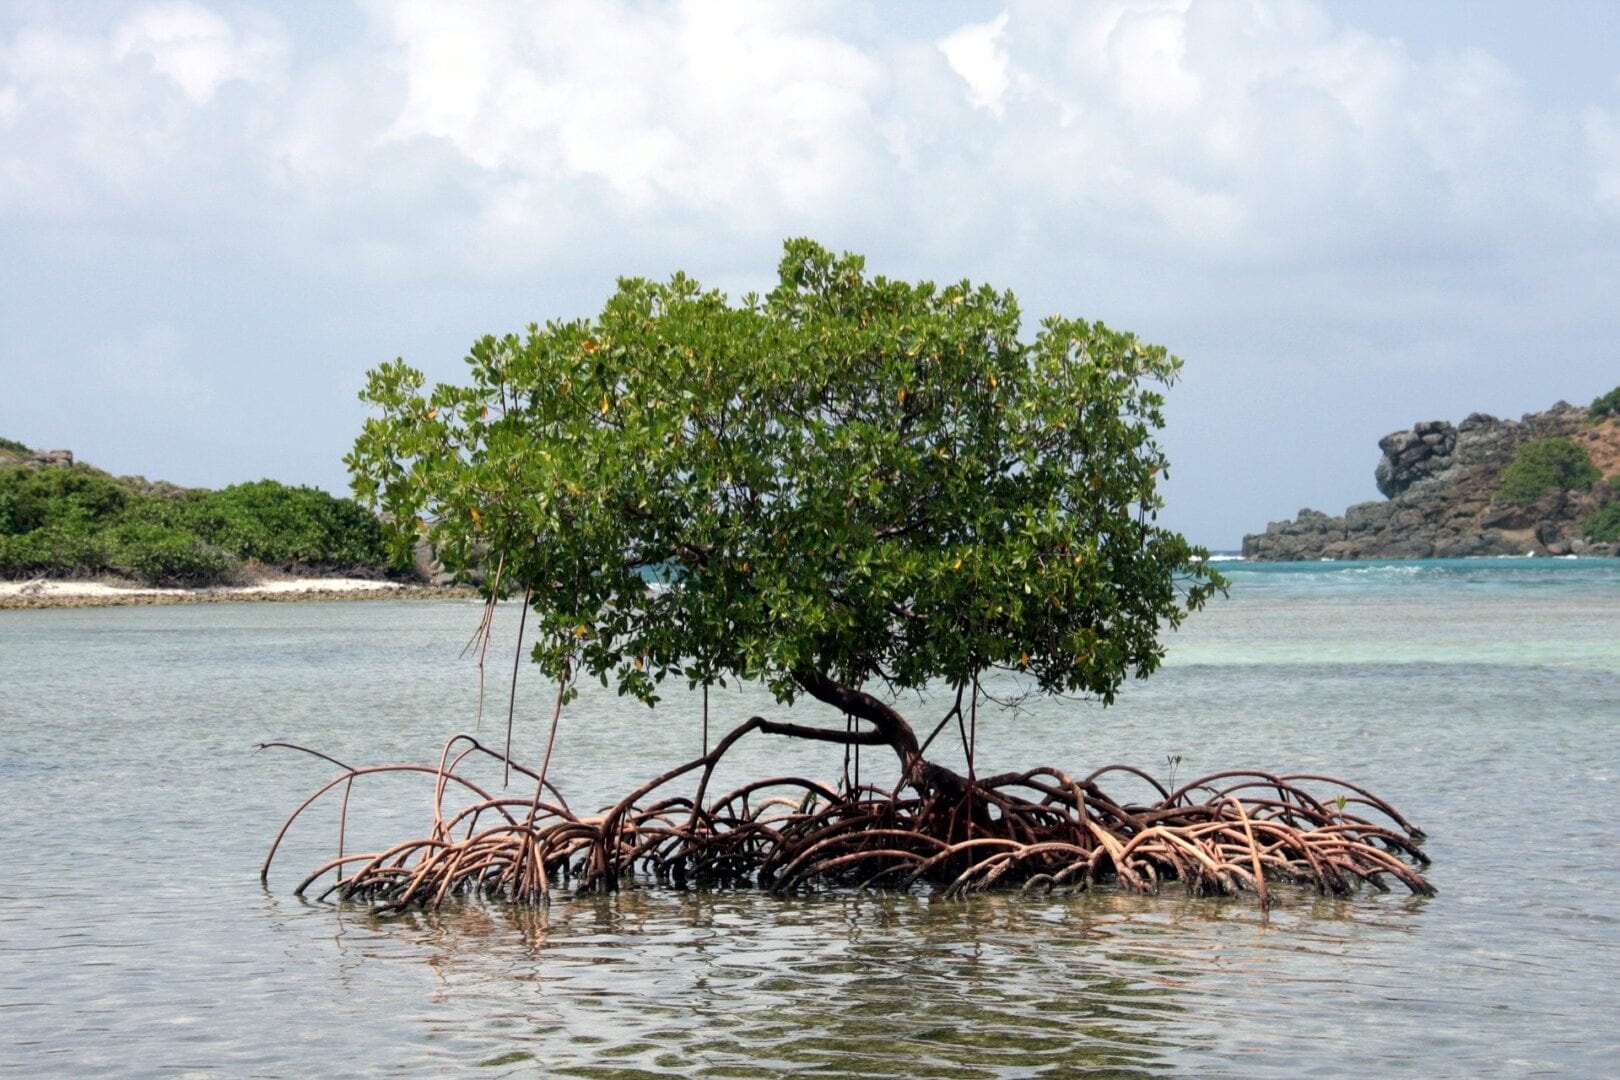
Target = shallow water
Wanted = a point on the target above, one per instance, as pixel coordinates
(135, 937)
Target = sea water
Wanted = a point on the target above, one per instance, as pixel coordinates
(1480, 697)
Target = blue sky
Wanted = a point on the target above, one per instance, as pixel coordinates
(1345, 217)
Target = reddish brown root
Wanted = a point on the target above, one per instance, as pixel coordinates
(1040, 829)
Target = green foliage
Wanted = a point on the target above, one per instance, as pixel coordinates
(854, 477)
(271, 523)
(79, 521)
(14, 446)
(1603, 525)
(55, 550)
(1546, 465)
(1605, 405)
(32, 498)
(170, 557)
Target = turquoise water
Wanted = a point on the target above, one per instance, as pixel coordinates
(1480, 697)
(1434, 611)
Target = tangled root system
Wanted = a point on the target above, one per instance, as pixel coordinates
(1040, 830)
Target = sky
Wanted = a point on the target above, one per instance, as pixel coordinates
(1345, 217)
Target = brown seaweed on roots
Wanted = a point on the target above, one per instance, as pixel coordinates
(1042, 829)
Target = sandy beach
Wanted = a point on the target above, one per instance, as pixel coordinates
(54, 593)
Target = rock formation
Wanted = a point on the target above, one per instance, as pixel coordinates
(12, 453)
(1440, 484)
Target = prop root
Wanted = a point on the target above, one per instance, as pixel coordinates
(1040, 829)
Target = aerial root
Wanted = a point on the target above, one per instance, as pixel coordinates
(1040, 830)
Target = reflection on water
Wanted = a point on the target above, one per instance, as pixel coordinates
(736, 983)
(135, 938)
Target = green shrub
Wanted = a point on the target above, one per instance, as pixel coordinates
(1604, 525)
(55, 551)
(58, 496)
(290, 526)
(1546, 465)
(162, 556)
(1605, 405)
(14, 446)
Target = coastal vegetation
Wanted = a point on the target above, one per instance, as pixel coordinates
(1604, 525)
(1547, 465)
(851, 490)
(1605, 405)
(75, 521)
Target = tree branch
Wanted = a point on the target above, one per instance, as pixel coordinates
(800, 731)
(891, 726)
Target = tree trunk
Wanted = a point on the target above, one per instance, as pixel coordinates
(892, 728)
(863, 706)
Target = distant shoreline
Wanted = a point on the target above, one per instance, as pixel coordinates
(1446, 493)
(43, 593)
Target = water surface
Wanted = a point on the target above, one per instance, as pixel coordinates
(1479, 697)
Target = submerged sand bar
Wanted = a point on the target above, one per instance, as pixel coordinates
(54, 593)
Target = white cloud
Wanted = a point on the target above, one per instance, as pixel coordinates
(1259, 131)
(695, 106)
(198, 49)
(1147, 53)
(105, 121)
(1241, 133)
(974, 53)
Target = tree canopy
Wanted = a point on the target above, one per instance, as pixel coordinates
(849, 482)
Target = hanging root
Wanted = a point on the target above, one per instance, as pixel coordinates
(1040, 830)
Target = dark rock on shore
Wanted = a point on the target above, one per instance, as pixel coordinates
(1441, 483)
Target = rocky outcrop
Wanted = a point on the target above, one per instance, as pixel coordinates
(1411, 456)
(427, 567)
(1440, 483)
(16, 454)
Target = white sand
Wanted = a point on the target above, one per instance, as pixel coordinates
(50, 589)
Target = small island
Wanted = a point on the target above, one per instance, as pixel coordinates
(73, 535)
(1546, 484)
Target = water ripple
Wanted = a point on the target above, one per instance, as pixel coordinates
(135, 938)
